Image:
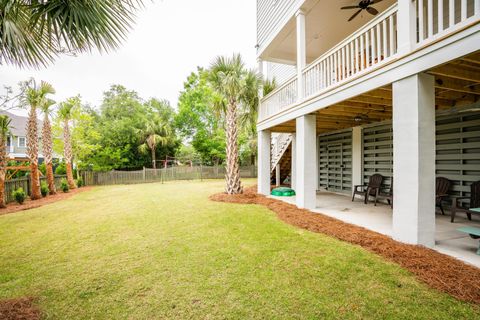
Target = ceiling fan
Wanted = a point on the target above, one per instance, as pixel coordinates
(363, 5)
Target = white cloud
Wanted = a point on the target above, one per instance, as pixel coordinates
(171, 38)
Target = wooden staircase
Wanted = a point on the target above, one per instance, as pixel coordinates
(281, 155)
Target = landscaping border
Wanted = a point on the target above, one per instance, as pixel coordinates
(437, 270)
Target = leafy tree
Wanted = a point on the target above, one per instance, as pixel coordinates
(155, 133)
(109, 137)
(4, 133)
(33, 33)
(198, 122)
(238, 88)
(34, 97)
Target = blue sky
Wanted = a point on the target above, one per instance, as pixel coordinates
(171, 38)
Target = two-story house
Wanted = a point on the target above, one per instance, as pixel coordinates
(17, 141)
(372, 86)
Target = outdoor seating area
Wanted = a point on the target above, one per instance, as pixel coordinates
(448, 239)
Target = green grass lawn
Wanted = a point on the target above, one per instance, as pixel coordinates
(157, 251)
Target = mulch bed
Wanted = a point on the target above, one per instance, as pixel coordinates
(30, 204)
(19, 309)
(437, 270)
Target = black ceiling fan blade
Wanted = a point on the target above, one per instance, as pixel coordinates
(354, 15)
(375, 1)
(349, 7)
(372, 11)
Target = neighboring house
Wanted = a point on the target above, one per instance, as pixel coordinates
(395, 93)
(17, 142)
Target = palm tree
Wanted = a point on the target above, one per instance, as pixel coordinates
(154, 134)
(34, 97)
(47, 143)
(65, 114)
(4, 133)
(239, 89)
(33, 33)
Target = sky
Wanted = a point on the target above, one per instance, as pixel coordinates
(169, 40)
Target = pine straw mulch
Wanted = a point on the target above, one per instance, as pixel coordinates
(30, 204)
(19, 309)
(437, 270)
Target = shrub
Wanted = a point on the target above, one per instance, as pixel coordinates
(19, 195)
(61, 169)
(43, 168)
(64, 185)
(44, 189)
(79, 182)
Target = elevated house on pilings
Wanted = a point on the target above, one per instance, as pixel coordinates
(393, 90)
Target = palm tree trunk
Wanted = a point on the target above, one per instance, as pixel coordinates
(32, 151)
(48, 153)
(232, 177)
(51, 179)
(3, 165)
(67, 152)
(70, 180)
(153, 158)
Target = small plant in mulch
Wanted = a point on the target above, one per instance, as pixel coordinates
(19, 195)
(79, 182)
(64, 185)
(44, 189)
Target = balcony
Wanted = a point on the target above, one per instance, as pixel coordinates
(384, 39)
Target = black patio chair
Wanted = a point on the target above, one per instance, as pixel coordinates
(387, 195)
(474, 202)
(371, 189)
(442, 185)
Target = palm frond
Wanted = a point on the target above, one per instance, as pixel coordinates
(33, 33)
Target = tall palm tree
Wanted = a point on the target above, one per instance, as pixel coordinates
(154, 134)
(65, 114)
(47, 143)
(4, 133)
(34, 97)
(33, 33)
(239, 88)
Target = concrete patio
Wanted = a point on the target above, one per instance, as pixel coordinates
(447, 239)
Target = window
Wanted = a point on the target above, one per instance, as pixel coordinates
(21, 142)
(9, 141)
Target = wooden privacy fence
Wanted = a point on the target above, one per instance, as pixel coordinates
(94, 178)
(11, 185)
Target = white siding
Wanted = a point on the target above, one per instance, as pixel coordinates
(271, 15)
(281, 72)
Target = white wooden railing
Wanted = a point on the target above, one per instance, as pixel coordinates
(279, 99)
(439, 17)
(369, 46)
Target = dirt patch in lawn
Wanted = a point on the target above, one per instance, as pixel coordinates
(30, 204)
(437, 270)
(19, 309)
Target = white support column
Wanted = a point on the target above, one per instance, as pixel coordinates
(264, 142)
(357, 146)
(301, 52)
(293, 175)
(277, 175)
(414, 160)
(305, 174)
(406, 26)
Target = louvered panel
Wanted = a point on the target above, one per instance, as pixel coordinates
(335, 161)
(458, 150)
(378, 152)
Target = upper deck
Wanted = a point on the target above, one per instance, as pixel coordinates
(349, 51)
